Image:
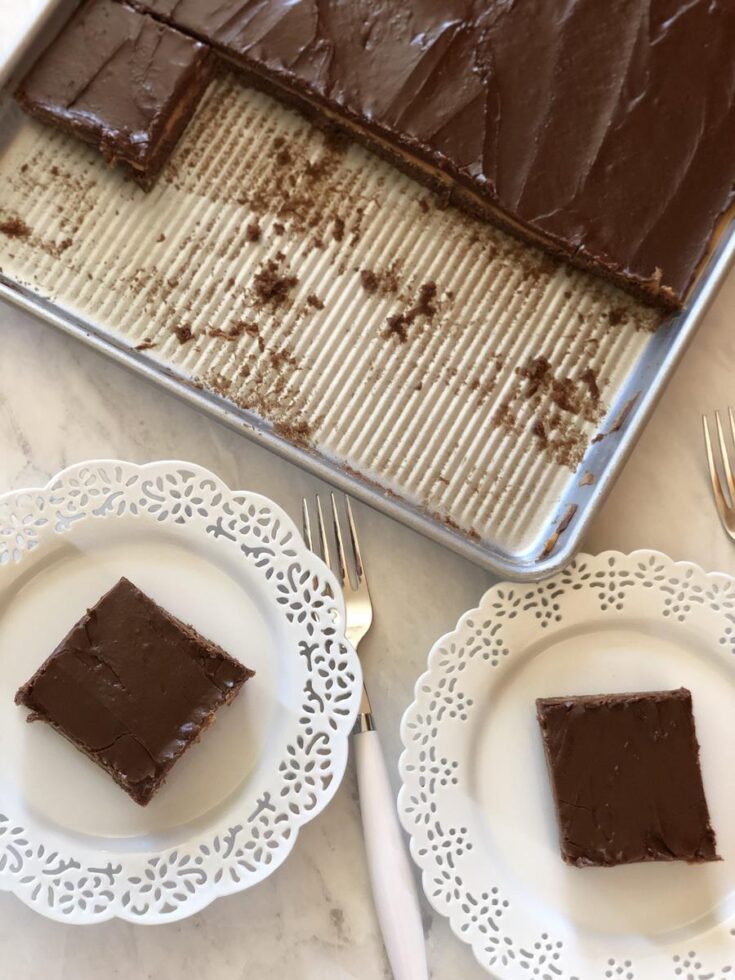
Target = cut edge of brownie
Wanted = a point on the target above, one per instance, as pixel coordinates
(164, 133)
(455, 191)
(600, 700)
(141, 793)
(404, 154)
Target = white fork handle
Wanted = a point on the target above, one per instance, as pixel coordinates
(394, 887)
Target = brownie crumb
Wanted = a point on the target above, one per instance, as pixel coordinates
(564, 394)
(398, 322)
(279, 358)
(145, 344)
(314, 301)
(536, 372)
(296, 432)
(424, 205)
(54, 171)
(540, 432)
(397, 327)
(425, 306)
(616, 316)
(231, 333)
(589, 378)
(370, 281)
(283, 157)
(503, 416)
(252, 232)
(161, 238)
(24, 168)
(252, 330)
(339, 229)
(389, 279)
(14, 228)
(183, 334)
(279, 228)
(270, 286)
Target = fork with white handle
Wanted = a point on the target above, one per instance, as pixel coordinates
(391, 876)
(724, 498)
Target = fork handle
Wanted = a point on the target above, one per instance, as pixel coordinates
(391, 875)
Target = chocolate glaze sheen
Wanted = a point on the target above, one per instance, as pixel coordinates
(117, 78)
(626, 778)
(132, 687)
(607, 129)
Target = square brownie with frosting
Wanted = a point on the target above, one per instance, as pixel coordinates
(133, 688)
(625, 774)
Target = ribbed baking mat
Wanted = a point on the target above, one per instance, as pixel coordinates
(312, 284)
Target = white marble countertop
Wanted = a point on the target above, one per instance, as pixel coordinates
(61, 403)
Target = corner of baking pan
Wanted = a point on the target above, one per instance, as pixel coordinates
(636, 402)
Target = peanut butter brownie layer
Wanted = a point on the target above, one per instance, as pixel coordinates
(121, 81)
(604, 132)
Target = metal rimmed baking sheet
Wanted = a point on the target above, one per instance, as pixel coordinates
(306, 292)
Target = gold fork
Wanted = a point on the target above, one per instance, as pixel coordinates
(725, 502)
(391, 876)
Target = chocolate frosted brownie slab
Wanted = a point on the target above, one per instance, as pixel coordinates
(133, 688)
(602, 131)
(122, 81)
(625, 773)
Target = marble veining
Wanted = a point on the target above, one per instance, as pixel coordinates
(60, 403)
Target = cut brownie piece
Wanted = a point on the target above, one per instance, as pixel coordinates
(604, 132)
(625, 774)
(121, 81)
(133, 688)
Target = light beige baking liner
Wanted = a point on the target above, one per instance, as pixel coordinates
(339, 300)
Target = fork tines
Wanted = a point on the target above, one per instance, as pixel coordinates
(724, 496)
(349, 566)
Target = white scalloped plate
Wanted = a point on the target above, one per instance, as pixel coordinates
(476, 798)
(73, 846)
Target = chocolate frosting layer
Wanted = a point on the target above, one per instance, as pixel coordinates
(607, 129)
(117, 78)
(626, 778)
(132, 687)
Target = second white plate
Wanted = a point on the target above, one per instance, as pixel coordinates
(476, 797)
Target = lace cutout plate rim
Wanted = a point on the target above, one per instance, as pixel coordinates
(475, 797)
(309, 693)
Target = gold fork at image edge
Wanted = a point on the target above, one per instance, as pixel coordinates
(391, 875)
(724, 499)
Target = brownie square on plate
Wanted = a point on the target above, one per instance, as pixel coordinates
(122, 81)
(625, 774)
(133, 688)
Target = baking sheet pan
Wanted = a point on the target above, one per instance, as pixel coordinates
(308, 294)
